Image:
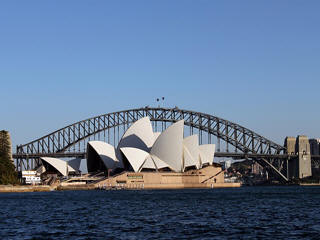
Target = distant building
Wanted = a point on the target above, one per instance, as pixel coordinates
(31, 177)
(228, 164)
(225, 164)
(257, 169)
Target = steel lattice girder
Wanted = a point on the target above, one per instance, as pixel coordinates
(63, 139)
(240, 137)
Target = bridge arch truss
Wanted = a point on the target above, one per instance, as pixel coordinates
(110, 126)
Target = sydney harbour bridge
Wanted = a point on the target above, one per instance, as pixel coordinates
(231, 139)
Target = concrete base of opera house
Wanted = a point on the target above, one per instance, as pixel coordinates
(170, 186)
(207, 177)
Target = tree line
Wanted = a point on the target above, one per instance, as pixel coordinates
(8, 175)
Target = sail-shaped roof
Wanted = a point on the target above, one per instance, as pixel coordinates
(74, 165)
(139, 135)
(207, 153)
(158, 162)
(148, 163)
(156, 135)
(191, 146)
(106, 153)
(145, 149)
(168, 147)
(135, 156)
(60, 165)
(188, 160)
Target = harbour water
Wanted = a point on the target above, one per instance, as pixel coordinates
(242, 213)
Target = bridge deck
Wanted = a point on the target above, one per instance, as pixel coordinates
(217, 154)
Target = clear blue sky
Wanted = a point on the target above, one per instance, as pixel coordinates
(256, 63)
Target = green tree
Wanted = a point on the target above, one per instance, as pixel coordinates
(8, 175)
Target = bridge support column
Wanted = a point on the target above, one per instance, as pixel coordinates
(298, 167)
(303, 149)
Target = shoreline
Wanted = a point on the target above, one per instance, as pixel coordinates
(309, 184)
(47, 188)
(25, 188)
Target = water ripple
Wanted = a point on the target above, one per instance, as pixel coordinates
(244, 213)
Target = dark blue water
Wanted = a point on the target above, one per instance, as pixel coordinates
(243, 213)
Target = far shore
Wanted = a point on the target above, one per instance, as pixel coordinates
(25, 188)
(42, 188)
(47, 188)
(309, 184)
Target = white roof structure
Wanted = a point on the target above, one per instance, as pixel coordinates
(156, 135)
(168, 146)
(145, 149)
(159, 163)
(139, 135)
(106, 153)
(60, 165)
(188, 160)
(74, 165)
(135, 156)
(191, 151)
(207, 153)
(149, 164)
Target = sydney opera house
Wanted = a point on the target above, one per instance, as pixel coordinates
(147, 159)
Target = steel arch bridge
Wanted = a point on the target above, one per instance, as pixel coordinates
(238, 142)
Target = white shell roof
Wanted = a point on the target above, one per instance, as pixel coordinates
(106, 153)
(119, 162)
(159, 163)
(191, 145)
(148, 163)
(207, 153)
(74, 165)
(187, 159)
(156, 135)
(135, 156)
(168, 147)
(139, 135)
(57, 163)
